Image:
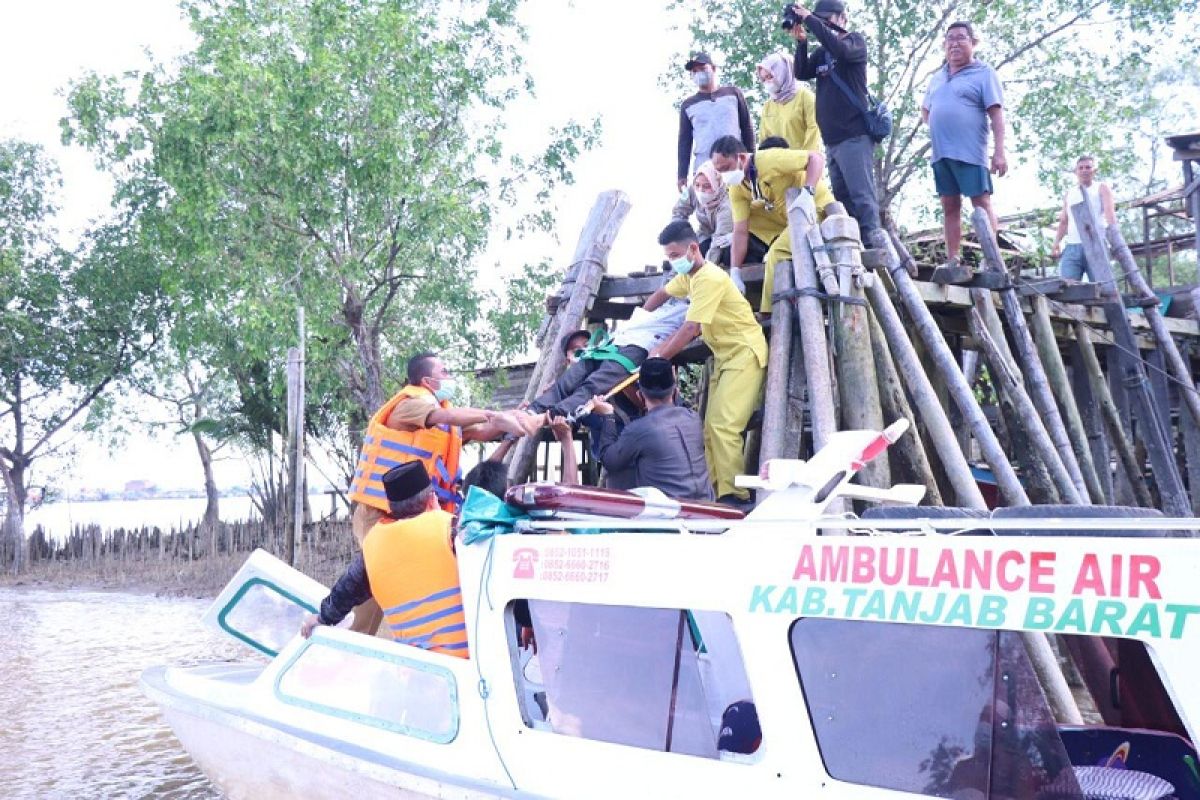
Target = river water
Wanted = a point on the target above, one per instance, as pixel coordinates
(73, 723)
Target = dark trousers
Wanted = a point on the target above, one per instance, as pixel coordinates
(756, 250)
(584, 379)
(852, 176)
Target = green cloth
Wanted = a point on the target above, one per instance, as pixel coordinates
(601, 348)
(484, 515)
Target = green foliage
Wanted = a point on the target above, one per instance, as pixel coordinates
(336, 155)
(1076, 72)
(71, 323)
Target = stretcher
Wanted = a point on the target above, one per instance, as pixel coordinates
(559, 501)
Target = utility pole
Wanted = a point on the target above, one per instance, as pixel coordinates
(295, 406)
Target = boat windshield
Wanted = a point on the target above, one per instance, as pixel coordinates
(938, 711)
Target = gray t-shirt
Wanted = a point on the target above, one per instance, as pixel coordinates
(958, 104)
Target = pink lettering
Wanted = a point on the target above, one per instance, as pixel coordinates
(804, 566)
(977, 570)
(1089, 578)
(1041, 573)
(1009, 558)
(864, 566)
(1143, 574)
(946, 573)
(915, 578)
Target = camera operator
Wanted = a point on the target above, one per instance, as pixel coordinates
(849, 151)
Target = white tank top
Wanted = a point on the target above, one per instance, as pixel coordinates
(1075, 196)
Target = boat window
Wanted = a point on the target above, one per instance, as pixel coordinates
(264, 615)
(937, 711)
(376, 688)
(657, 678)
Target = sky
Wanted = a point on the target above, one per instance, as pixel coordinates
(588, 58)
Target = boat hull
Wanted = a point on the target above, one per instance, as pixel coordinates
(249, 758)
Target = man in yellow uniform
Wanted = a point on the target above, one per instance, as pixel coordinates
(758, 185)
(720, 314)
(409, 567)
(418, 424)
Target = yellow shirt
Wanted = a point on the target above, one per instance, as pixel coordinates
(795, 120)
(778, 171)
(726, 320)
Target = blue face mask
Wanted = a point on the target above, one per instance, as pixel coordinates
(447, 389)
(682, 265)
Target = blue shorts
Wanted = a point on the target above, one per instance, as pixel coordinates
(959, 179)
(1073, 264)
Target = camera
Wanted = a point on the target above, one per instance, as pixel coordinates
(790, 18)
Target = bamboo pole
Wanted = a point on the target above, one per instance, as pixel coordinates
(937, 425)
(1093, 425)
(858, 383)
(1025, 413)
(1150, 431)
(1056, 374)
(964, 397)
(810, 318)
(1035, 376)
(1175, 363)
(580, 284)
(779, 365)
(1112, 417)
(908, 453)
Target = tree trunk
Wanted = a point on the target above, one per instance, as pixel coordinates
(211, 524)
(14, 517)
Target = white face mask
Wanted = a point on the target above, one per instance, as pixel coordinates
(772, 86)
(733, 177)
(703, 79)
(705, 197)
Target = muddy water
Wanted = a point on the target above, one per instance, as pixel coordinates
(73, 723)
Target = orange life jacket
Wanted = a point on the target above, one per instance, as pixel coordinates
(414, 577)
(437, 448)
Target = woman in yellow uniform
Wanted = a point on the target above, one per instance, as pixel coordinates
(791, 111)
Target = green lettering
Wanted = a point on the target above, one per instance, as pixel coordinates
(1039, 614)
(814, 602)
(875, 607)
(905, 605)
(788, 601)
(1073, 618)
(960, 611)
(760, 599)
(1180, 613)
(852, 598)
(1110, 613)
(991, 611)
(1146, 620)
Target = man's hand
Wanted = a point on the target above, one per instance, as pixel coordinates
(509, 423)
(735, 274)
(999, 163)
(309, 624)
(601, 406)
(800, 10)
(798, 33)
(562, 430)
(679, 184)
(1056, 251)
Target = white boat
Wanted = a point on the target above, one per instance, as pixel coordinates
(894, 664)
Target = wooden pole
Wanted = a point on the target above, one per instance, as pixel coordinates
(1175, 363)
(1093, 425)
(295, 442)
(1111, 416)
(579, 286)
(937, 425)
(908, 453)
(811, 317)
(1056, 374)
(779, 365)
(964, 397)
(858, 382)
(1026, 414)
(1150, 431)
(1035, 376)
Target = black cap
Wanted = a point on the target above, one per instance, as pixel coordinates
(740, 731)
(698, 59)
(405, 481)
(566, 340)
(656, 378)
(829, 8)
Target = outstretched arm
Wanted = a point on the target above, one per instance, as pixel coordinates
(678, 340)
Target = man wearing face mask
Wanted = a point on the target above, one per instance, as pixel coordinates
(419, 423)
(758, 185)
(720, 314)
(664, 448)
(712, 112)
